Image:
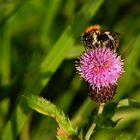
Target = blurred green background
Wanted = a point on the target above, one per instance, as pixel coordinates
(39, 43)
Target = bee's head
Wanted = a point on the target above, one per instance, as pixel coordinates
(90, 37)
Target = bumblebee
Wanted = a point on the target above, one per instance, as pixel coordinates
(94, 36)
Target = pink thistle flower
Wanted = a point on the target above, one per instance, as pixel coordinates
(100, 68)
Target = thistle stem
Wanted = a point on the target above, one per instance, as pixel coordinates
(93, 125)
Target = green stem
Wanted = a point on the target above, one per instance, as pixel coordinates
(93, 125)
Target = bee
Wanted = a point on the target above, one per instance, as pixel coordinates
(94, 36)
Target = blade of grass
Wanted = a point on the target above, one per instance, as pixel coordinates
(131, 60)
(5, 57)
(49, 65)
(15, 7)
(51, 11)
(75, 52)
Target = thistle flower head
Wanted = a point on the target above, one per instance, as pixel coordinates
(103, 94)
(100, 67)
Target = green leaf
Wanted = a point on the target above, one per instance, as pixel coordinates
(129, 102)
(127, 114)
(45, 107)
(134, 103)
(126, 136)
(104, 122)
(109, 109)
(124, 102)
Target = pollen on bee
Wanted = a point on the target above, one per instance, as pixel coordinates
(92, 27)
